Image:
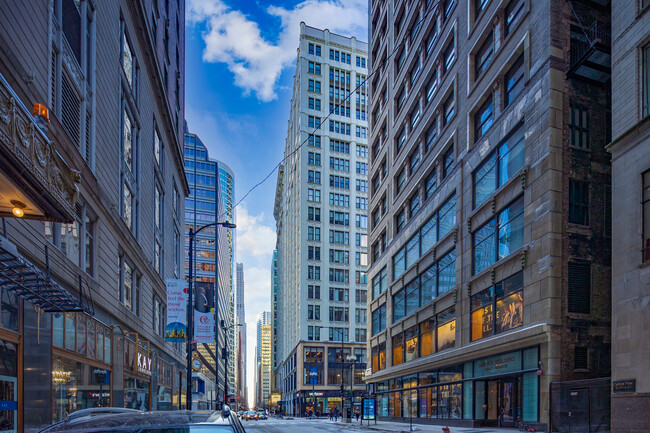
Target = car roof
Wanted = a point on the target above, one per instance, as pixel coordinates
(133, 419)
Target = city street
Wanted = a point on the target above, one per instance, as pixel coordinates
(298, 425)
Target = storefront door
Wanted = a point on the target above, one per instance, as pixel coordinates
(8, 404)
(509, 402)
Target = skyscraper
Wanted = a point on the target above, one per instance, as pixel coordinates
(321, 212)
(263, 360)
(490, 250)
(241, 337)
(211, 189)
(275, 386)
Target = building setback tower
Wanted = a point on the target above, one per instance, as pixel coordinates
(92, 207)
(211, 199)
(489, 208)
(241, 337)
(321, 212)
(630, 151)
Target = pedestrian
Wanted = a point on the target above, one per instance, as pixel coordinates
(357, 412)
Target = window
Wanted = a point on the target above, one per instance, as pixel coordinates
(479, 7)
(361, 240)
(414, 204)
(129, 171)
(158, 317)
(340, 257)
(362, 151)
(579, 288)
(362, 203)
(313, 234)
(339, 218)
(362, 185)
(313, 312)
(313, 195)
(313, 158)
(318, 50)
(129, 284)
(448, 161)
(361, 277)
(498, 308)
(379, 319)
(483, 119)
(448, 7)
(76, 240)
(313, 292)
(313, 253)
(158, 228)
(311, 48)
(432, 85)
(339, 314)
(499, 167)
(646, 215)
(579, 126)
(401, 98)
(313, 272)
(313, 213)
(128, 61)
(398, 348)
(362, 221)
(359, 337)
(484, 54)
(578, 202)
(379, 357)
(361, 259)
(433, 35)
(448, 108)
(339, 164)
(514, 80)
(513, 14)
(313, 140)
(157, 148)
(401, 140)
(400, 220)
(430, 184)
(339, 237)
(400, 180)
(339, 295)
(379, 282)
(339, 146)
(449, 55)
(431, 134)
(414, 160)
(342, 200)
(415, 115)
(415, 71)
(500, 236)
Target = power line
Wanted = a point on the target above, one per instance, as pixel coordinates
(407, 36)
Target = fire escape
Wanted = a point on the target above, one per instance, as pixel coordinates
(591, 56)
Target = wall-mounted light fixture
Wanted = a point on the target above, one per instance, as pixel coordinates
(18, 208)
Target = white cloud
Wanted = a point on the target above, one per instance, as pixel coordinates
(255, 244)
(234, 39)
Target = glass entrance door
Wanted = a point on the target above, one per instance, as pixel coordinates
(509, 402)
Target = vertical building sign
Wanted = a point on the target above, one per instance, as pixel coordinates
(203, 312)
(176, 327)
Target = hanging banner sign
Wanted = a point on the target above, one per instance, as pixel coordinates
(176, 327)
(203, 312)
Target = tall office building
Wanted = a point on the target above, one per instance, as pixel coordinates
(489, 208)
(211, 188)
(321, 212)
(242, 398)
(91, 206)
(630, 151)
(274, 329)
(263, 354)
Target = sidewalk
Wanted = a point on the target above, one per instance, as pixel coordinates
(401, 427)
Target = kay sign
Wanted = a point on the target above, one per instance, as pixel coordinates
(144, 363)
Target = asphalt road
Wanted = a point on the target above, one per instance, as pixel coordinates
(298, 425)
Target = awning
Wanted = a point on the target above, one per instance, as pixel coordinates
(26, 280)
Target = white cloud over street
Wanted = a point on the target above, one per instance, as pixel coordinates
(233, 38)
(255, 244)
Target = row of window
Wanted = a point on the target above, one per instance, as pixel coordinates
(336, 334)
(313, 291)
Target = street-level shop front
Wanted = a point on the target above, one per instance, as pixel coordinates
(137, 373)
(500, 390)
(326, 401)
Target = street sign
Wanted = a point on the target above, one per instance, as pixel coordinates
(368, 408)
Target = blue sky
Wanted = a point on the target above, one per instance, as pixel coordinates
(240, 61)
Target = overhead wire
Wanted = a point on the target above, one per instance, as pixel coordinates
(362, 84)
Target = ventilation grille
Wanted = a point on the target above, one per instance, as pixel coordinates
(579, 288)
(607, 203)
(70, 109)
(581, 358)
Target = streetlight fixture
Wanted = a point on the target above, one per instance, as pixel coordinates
(352, 359)
(190, 304)
(224, 355)
(313, 376)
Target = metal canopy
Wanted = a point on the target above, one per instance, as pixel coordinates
(24, 279)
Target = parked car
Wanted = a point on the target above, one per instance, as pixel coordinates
(113, 419)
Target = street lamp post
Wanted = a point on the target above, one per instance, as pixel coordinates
(313, 375)
(190, 304)
(351, 360)
(224, 355)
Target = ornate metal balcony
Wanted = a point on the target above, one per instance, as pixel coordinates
(32, 172)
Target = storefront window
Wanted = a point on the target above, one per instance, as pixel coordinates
(84, 336)
(69, 331)
(57, 330)
(77, 386)
(411, 344)
(81, 335)
(136, 394)
(398, 349)
(506, 298)
(164, 398)
(446, 329)
(427, 337)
